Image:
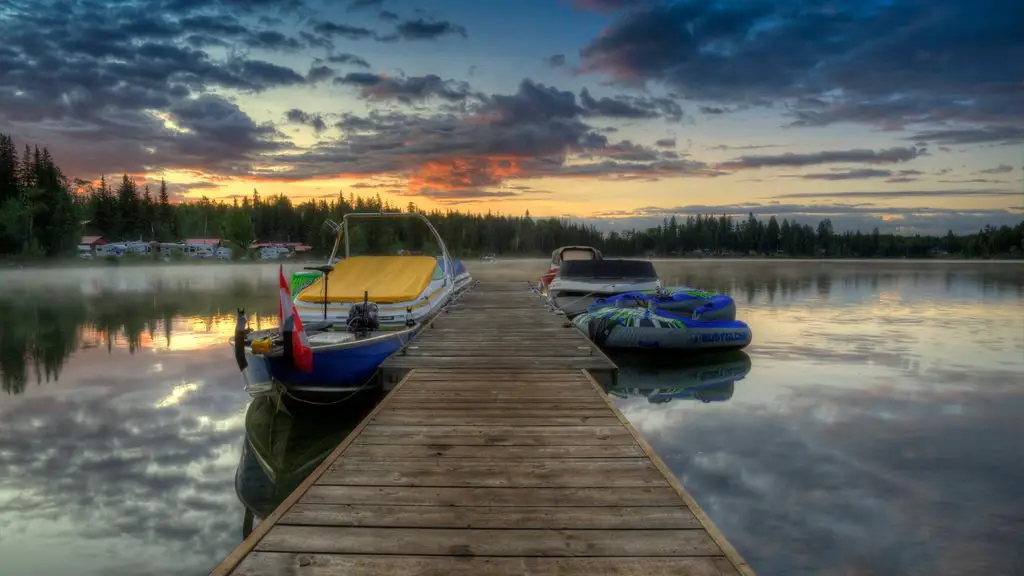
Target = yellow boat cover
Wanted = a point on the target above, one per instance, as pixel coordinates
(388, 279)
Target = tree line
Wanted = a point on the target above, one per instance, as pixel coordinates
(44, 214)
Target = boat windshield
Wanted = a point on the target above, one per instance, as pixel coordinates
(638, 269)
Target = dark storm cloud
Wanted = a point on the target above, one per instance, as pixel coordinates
(100, 85)
(893, 63)
(346, 31)
(630, 107)
(898, 194)
(555, 60)
(610, 5)
(528, 134)
(862, 174)
(355, 5)
(421, 29)
(405, 89)
(319, 73)
(314, 121)
(887, 156)
(348, 59)
(987, 135)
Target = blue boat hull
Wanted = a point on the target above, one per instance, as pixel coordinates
(339, 368)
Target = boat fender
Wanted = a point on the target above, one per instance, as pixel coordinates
(240, 332)
(261, 346)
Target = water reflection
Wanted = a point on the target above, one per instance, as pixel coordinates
(43, 328)
(281, 448)
(875, 433)
(705, 378)
(870, 428)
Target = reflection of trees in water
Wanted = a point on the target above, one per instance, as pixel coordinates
(41, 330)
(766, 280)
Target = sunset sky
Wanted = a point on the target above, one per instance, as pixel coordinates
(902, 114)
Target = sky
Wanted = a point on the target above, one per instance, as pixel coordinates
(907, 115)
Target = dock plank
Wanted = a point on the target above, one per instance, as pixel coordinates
(277, 563)
(493, 517)
(496, 453)
(482, 542)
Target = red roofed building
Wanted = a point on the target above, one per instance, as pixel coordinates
(202, 241)
(92, 241)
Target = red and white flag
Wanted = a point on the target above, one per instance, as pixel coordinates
(300, 343)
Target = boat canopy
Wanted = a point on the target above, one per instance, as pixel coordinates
(564, 253)
(634, 269)
(388, 279)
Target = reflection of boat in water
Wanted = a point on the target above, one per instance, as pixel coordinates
(280, 449)
(705, 378)
(355, 313)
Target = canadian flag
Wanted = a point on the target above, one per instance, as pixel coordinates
(300, 343)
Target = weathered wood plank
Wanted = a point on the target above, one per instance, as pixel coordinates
(484, 405)
(473, 472)
(508, 419)
(498, 363)
(538, 390)
(442, 410)
(479, 542)
(471, 439)
(496, 452)
(564, 432)
(469, 496)
(493, 517)
(278, 563)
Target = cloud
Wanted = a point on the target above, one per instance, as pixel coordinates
(888, 64)
(346, 31)
(609, 5)
(555, 60)
(1001, 169)
(887, 156)
(355, 5)
(348, 59)
(536, 132)
(405, 89)
(319, 73)
(420, 29)
(314, 121)
(861, 174)
(387, 16)
(630, 107)
(897, 194)
(988, 135)
(666, 143)
(713, 110)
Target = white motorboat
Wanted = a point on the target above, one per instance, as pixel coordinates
(580, 283)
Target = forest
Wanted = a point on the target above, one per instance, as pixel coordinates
(43, 214)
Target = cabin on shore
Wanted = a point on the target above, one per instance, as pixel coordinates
(87, 246)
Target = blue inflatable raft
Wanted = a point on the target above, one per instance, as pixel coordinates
(645, 328)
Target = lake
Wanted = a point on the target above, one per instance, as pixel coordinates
(868, 429)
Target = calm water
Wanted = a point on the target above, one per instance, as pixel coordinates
(871, 428)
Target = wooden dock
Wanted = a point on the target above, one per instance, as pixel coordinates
(500, 326)
(507, 460)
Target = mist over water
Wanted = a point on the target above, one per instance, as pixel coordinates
(869, 428)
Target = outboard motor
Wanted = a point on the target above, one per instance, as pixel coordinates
(362, 317)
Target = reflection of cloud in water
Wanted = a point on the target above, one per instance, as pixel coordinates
(97, 464)
(884, 486)
(875, 433)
